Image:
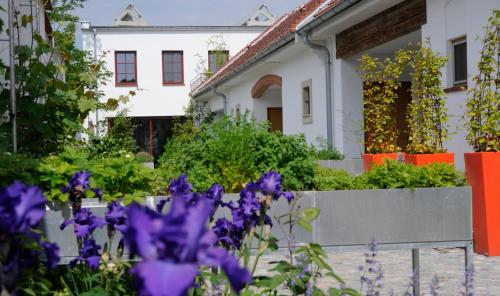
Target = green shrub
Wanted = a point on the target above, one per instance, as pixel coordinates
(121, 176)
(17, 167)
(233, 152)
(392, 174)
(332, 179)
(322, 151)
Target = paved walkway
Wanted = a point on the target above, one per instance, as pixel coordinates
(447, 265)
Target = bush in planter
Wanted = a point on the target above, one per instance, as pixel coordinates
(391, 174)
(483, 126)
(322, 152)
(232, 152)
(381, 81)
(427, 114)
(121, 176)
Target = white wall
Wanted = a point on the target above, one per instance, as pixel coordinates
(448, 20)
(297, 65)
(153, 98)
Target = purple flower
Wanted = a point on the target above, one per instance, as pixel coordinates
(80, 181)
(214, 196)
(84, 223)
(288, 195)
(21, 208)
(52, 254)
(116, 216)
(89, 254)
(270, 183)
(228, 234)
(173, 246)
(180, 186)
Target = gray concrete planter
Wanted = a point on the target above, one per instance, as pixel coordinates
(149, 164)
(425, 216)
(65, 239)
(353, 166)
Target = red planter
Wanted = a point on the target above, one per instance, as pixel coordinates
(423, 159)
(483, 174)
(377, 159)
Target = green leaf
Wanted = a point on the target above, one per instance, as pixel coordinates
(310, 214)
(305, 225)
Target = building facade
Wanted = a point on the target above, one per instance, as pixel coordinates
(159, 64)
(309, 71)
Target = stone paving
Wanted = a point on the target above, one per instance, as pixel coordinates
(446, 264)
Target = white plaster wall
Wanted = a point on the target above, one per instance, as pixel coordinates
(153, 98)
(295, 68)
(270, 98)
(448, 20)
(303, 66)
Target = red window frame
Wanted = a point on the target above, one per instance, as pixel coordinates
(181, 82)
(210, 52)
(117, 82)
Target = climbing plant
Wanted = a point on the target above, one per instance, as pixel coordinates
(483, 102)
(427, 114)
(381, 82)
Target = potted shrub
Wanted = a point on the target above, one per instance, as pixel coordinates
(381, 81)
(427, 114)
(483, 126)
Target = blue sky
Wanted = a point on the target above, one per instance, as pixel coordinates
(182, 12)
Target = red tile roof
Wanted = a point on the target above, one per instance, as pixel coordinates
(279, 30)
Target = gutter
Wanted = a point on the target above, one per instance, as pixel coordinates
(328, 79)
(257, 58)
(324, 17)
(223, 96)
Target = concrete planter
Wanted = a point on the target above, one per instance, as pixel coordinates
(65, 239)
(348, 218)
(352, 166)
(149, 164)
(391, 216)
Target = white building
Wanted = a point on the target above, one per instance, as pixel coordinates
(160, 63)
(284, 76)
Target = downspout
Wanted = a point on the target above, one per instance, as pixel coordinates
(328, 76)
(223, 96)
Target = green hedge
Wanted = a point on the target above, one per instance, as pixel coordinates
(392, 174)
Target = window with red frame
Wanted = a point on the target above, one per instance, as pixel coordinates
(126, 67)
(216, 59)
(173, 67)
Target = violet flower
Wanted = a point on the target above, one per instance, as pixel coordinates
(52, 254)
(115, 217)
(78, 184)
(22, 207)
(270, 184)
(89, 254)
(175, 245)
(84, 223)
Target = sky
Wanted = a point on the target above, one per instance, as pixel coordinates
(182, 12)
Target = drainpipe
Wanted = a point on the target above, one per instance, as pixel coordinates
(223, 96)
(328, 76)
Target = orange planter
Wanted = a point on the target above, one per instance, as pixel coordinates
(377, 159)
(483, 174)
(423, 159)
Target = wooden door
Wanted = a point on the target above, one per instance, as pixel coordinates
(275, 117)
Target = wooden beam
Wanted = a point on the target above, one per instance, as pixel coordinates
(399, 20)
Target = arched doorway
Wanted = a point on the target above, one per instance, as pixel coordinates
(268, 101)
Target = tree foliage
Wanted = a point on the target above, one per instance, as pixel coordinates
(57, 83)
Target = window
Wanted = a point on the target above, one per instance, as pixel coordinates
(126, 68)
(307, 101)
(459, 61)
(173, 67)
(216, 59)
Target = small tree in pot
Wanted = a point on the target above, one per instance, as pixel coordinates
(483, 125)
(427, 115)
(381, 82)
